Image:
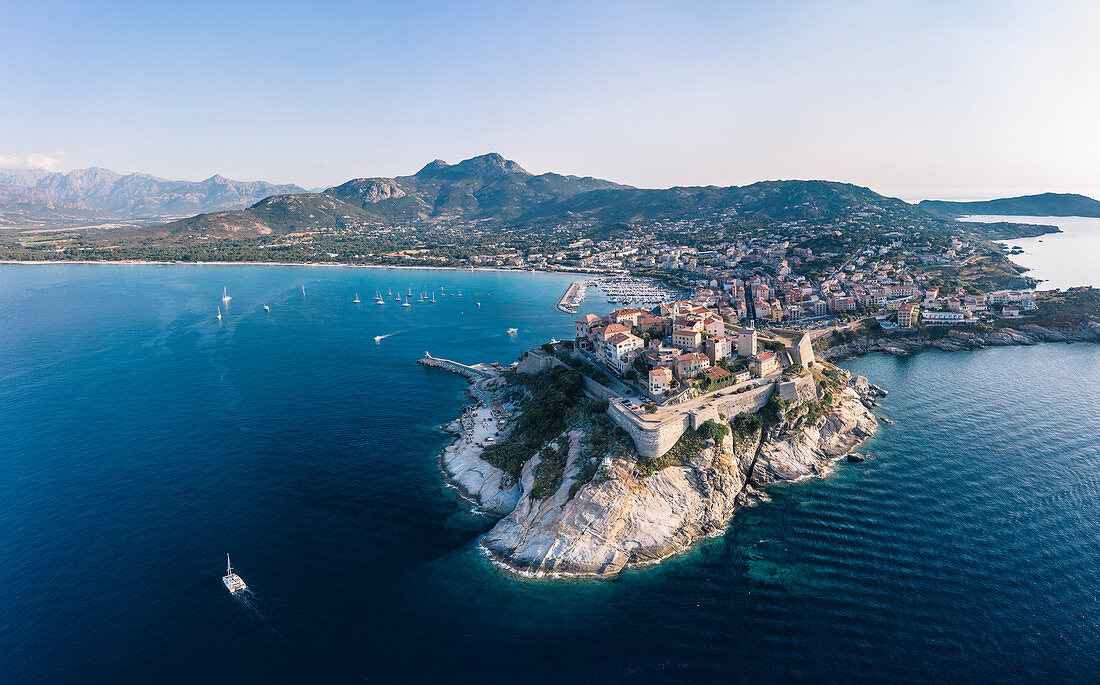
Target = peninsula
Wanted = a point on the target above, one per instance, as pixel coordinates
(591, 469)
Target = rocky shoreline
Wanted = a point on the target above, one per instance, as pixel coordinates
(622, 517)
(959, 340)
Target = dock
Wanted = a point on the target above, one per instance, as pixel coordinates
(474, 373)
(573, 296)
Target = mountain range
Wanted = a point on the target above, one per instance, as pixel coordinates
(491, 190)
(53, 198)
(1044, 204)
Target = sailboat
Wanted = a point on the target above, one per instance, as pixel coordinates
(410, 291)
(232, 581)
(225, 295)
(389, 292)
(266, 308)
(433, 296)
(303, 289)
(356, 300)
(406, 304)
(219, 313)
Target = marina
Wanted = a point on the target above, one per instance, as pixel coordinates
(636, 290)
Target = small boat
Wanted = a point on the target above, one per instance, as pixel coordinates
(225, 295)
(232, 581)
(410, 291)
(356, 300)
(303, 290)
(389, 291)
(513, 331)
(219, 313)
(406, 303)
(433, 296)
(381, 301)
(554, 341)
(460, 293)
(378, 338)
(266, 308)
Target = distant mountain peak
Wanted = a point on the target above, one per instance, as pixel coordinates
(487, 165)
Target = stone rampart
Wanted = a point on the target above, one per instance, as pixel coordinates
(653, 437)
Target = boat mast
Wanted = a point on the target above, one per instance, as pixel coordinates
(229, 565)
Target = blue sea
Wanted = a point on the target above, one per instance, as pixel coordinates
(141, 440)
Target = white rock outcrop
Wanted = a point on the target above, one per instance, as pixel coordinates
(622, 517)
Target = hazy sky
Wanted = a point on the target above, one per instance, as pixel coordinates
(916, 99)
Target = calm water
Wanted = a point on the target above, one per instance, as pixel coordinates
(1062, 260)
(140, 440)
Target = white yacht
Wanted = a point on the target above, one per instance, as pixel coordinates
(225, 295)
(356, 300)
(232, 581)
(378, 338)
(406, 303)
(513, 331)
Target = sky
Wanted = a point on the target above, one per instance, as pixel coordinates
(957, 100)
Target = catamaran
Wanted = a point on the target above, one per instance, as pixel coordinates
(356, 300)
(232, 581)
(225, 295)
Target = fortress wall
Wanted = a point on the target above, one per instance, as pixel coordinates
(651, 440)
(746, 402)
(654, 439)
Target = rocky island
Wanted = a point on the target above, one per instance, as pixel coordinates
(547, 452)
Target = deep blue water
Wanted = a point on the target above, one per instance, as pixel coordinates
(140, 440)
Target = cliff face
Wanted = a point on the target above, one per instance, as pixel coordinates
(809, 449)
(623, 517)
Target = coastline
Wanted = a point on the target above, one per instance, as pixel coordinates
(955, 340)
(137, 262)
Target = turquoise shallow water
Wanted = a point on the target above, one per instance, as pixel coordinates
(140, 440)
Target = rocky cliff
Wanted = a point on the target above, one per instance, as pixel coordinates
(622, 517)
